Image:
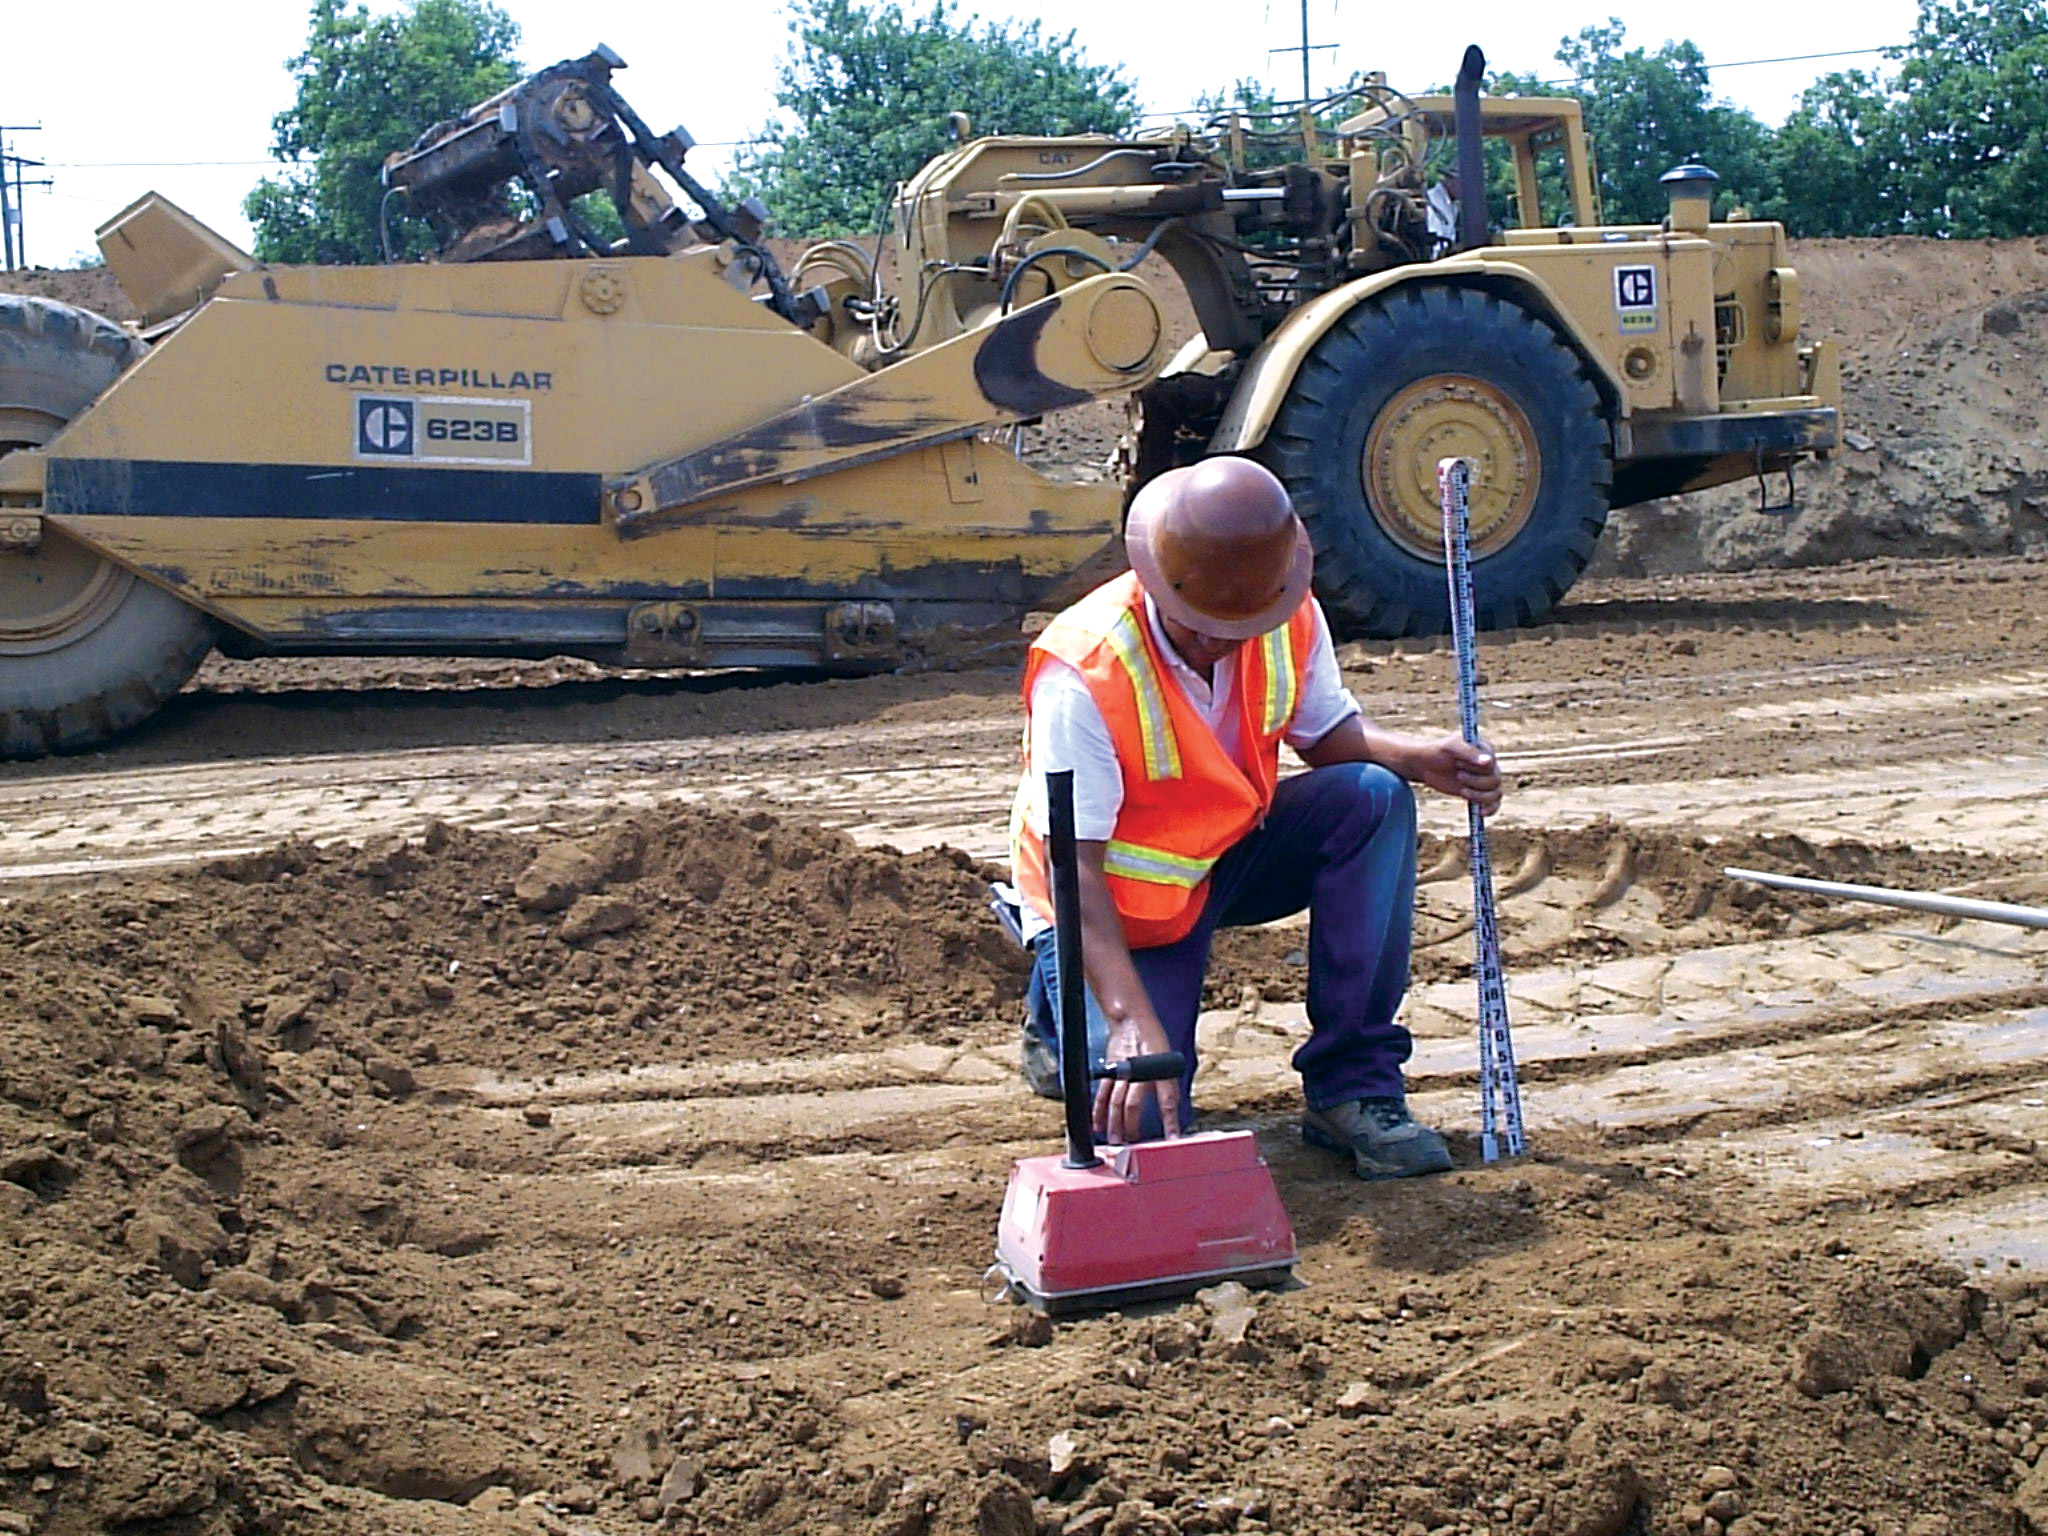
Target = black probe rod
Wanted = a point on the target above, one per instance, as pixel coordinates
(1073, 995)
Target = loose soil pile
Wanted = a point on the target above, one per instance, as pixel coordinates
(288, 1252)
(90, 288)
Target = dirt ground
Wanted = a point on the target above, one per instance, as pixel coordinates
(457, 1098)
(588, 1104)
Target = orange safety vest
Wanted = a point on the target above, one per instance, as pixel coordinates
(1186, 802)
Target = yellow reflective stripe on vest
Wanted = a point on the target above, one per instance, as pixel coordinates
(1135, 861)
(1155, 729)
(1282, 686)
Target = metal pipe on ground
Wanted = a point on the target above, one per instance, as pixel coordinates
(1912, 901)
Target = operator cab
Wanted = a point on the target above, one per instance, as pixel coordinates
(1544, 136)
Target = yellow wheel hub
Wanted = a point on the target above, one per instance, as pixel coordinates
(1451, 415)
(56, 593)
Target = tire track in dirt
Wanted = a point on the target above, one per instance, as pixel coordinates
(59, 826)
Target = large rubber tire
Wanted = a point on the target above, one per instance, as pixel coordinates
(87, 649)
(1426, 372)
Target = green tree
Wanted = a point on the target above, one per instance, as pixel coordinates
(368, 85)
(1969, 144)
(1646, 112)
(865, 91)
(1832, 160)
(1954, 143)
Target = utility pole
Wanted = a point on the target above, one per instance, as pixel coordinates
(1304, 49)
(6, 206)
(15, 244)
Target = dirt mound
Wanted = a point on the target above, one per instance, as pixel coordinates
(1580, 1417)
(699, 936)
(280, 1262)
(90, 288)
(203, 1311)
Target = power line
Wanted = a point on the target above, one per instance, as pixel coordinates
(143, 165)
(150, 165)
(1790, 58)
(1304, 48)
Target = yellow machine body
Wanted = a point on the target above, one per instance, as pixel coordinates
(453, 456)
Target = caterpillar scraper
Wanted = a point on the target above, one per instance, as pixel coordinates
(658, 448)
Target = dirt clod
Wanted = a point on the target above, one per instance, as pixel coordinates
(595, 915)
(559, 874)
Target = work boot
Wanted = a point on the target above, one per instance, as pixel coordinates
(1041, 1064)
(1384, 1140)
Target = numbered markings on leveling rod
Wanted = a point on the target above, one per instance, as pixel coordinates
(443, 429)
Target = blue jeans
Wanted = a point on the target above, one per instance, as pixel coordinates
(1340, 842)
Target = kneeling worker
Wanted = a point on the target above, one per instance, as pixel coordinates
(1168, 692)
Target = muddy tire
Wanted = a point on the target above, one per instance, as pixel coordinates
(87, 649)
(1402, 381)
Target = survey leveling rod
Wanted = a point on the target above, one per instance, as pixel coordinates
(1500, 1093)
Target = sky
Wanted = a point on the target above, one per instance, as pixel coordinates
(187, 87)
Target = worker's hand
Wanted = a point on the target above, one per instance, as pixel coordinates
(1120, 1107)
(1452, 765)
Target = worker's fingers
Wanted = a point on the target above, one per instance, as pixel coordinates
(1477, 773)
(1169, 1108)
(1482, 792)
(1140, 1131)
(1128, 1115)
(1120, 1109)
(1134, 1111)
(1477, 754)
(1123, 1119)
(1126, 1111)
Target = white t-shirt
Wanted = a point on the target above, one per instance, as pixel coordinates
(1068, 731)
(1441, 210)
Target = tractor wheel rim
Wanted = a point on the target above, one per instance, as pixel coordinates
(1451, 416)
(25, 426)
(56, 594)
(59, 592)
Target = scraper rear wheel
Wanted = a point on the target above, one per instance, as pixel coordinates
(87, 649)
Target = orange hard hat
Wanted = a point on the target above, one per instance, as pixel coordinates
(1219, 549)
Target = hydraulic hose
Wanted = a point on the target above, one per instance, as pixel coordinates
(1151, 242)
(1016, 272)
